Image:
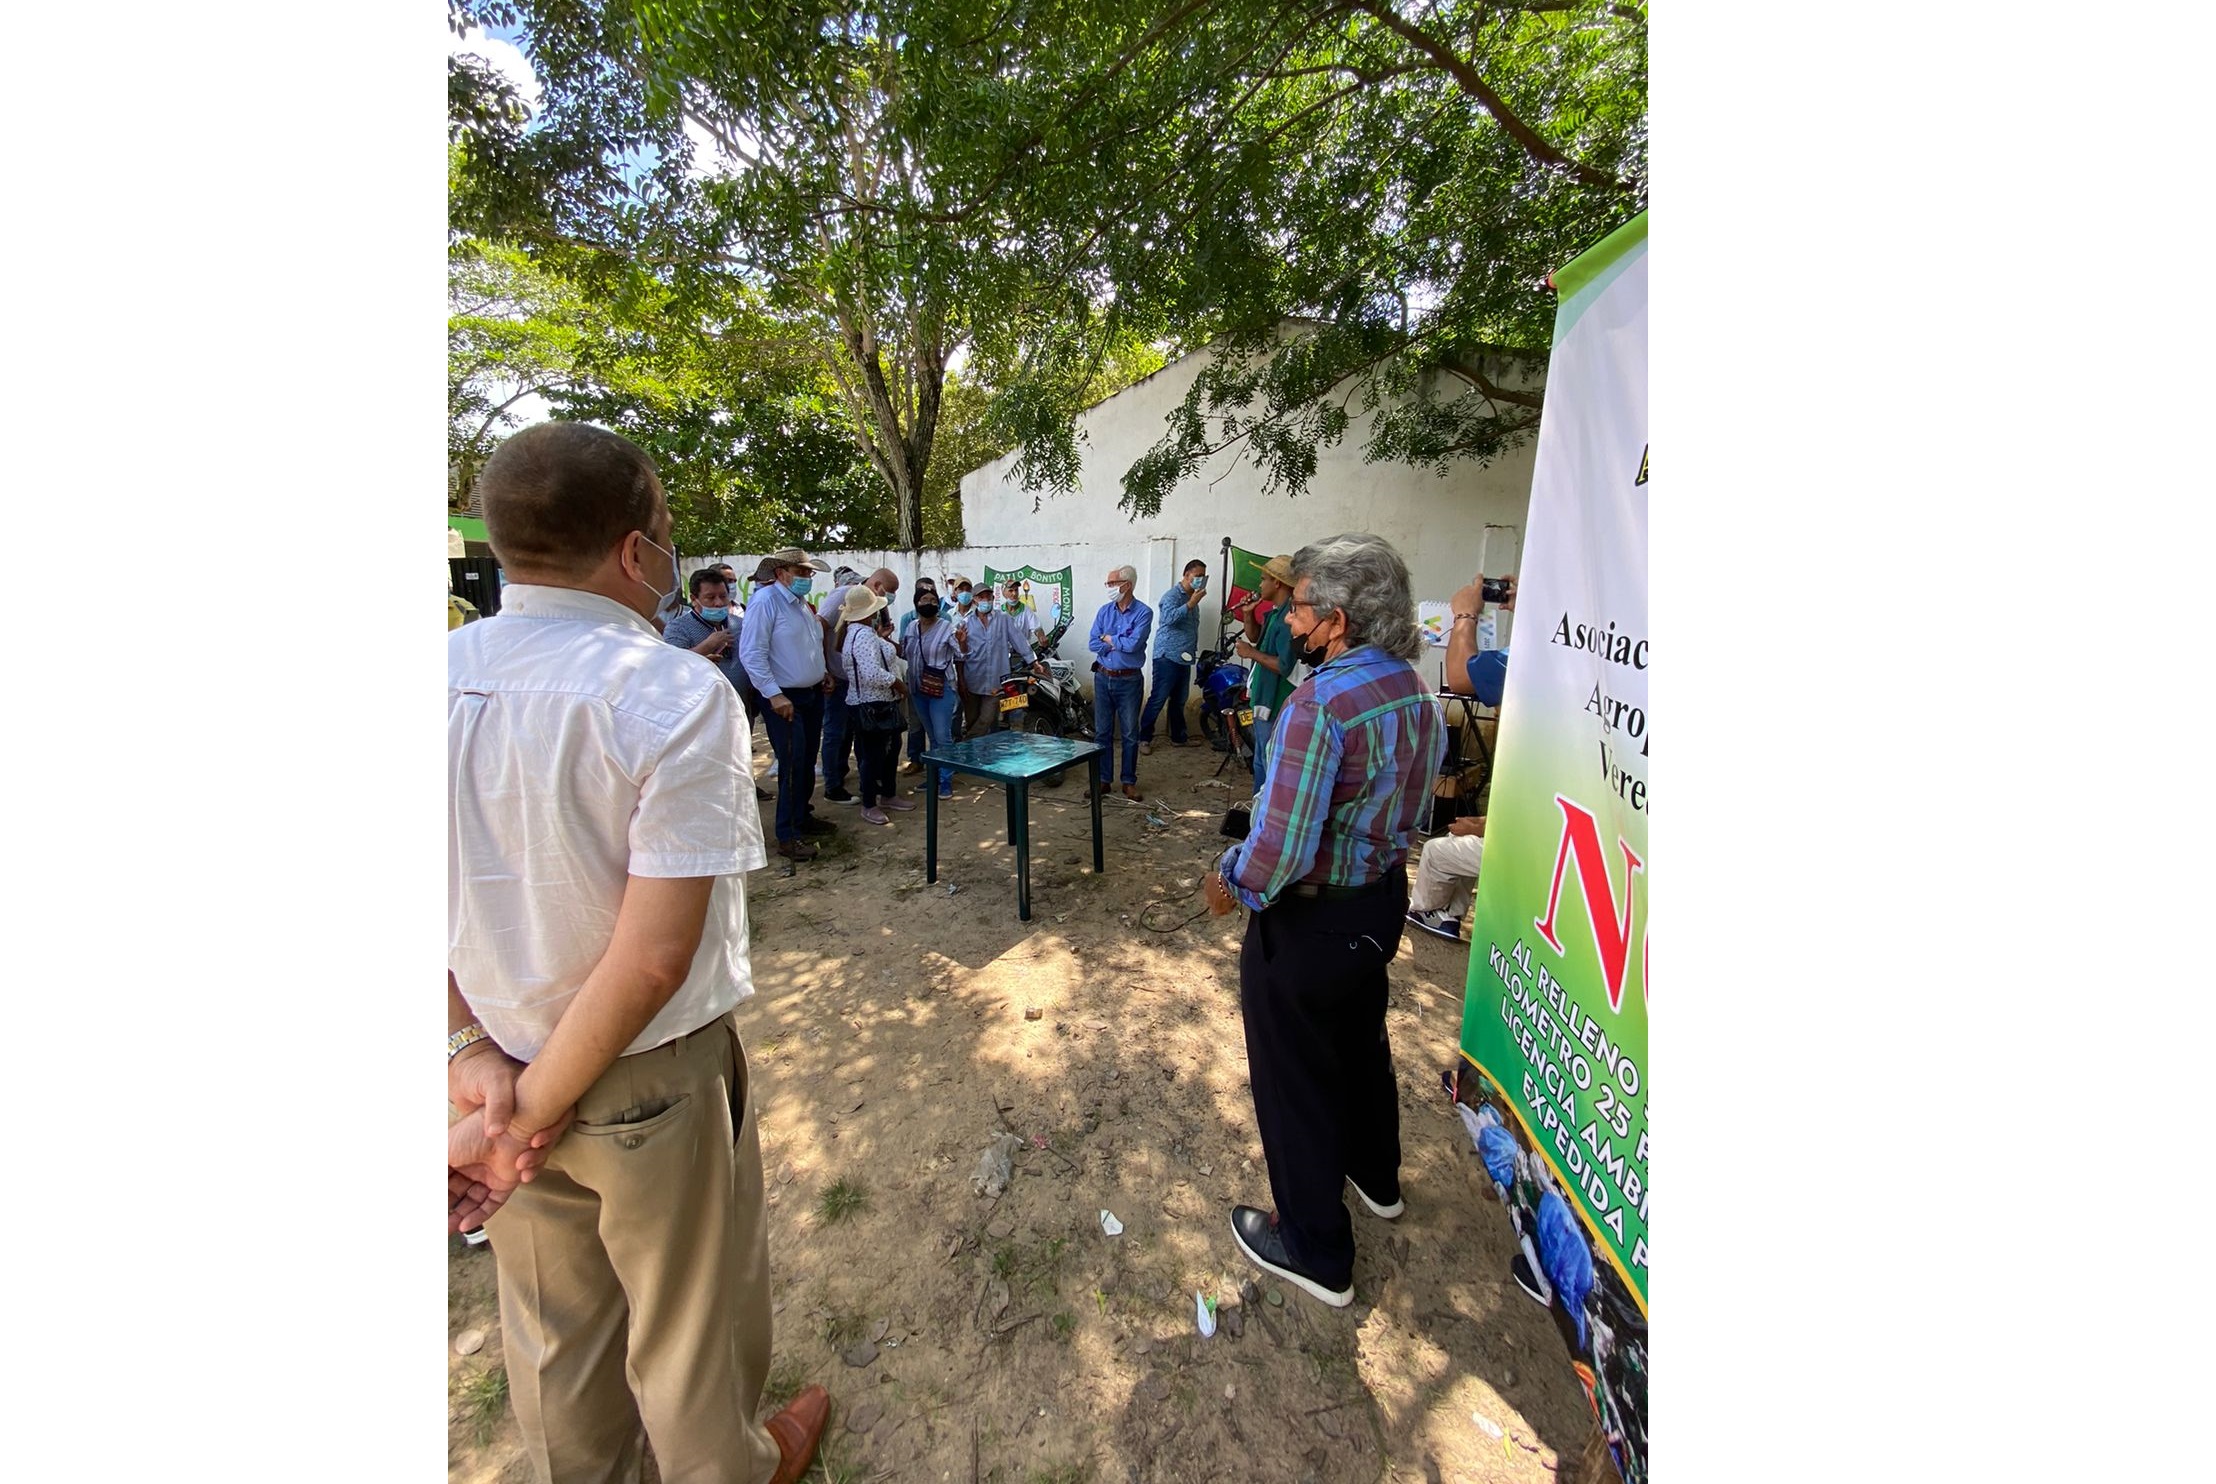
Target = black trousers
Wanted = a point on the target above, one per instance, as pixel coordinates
(876, 755)
(795, 743)
(1312, 994)
(838, 737)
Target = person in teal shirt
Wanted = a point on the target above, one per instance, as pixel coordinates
(1270, 654)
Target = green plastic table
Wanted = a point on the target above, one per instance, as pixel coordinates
(1013, 760)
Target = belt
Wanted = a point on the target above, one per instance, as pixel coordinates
(1324, 891)
(1119, 674)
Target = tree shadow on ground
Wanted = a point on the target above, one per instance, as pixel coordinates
(1009, 1337)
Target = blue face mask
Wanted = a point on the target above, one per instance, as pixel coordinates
(715, 615)
(963, 599)
(801, 586)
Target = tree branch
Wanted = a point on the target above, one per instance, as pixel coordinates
(1537, 7)
(1470, 82)
(494, 415)
(1470, 373)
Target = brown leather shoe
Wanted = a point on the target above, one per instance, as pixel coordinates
(798, 1429)
(1131, 793)
(796, 850)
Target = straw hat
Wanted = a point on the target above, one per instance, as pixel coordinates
(858, 604)
(1279, 567)
(793, 556)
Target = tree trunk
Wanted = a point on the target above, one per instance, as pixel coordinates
(908, 499)
(900, 454)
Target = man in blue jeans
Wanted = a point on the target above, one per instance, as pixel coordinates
(781, 646)
(1119, 646)
(1176, 639)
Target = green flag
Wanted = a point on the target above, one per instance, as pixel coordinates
(1246, 576)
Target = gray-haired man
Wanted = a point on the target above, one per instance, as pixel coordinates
(1118, 642)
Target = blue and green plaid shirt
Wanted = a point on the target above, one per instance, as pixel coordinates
(1352, 762)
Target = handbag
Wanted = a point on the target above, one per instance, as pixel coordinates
(880, 716)
(931, 681)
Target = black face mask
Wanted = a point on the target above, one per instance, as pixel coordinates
(927, 610)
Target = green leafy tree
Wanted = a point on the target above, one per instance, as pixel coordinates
(512, 332)
(748, 437)
(1352, 202)
(802, 158)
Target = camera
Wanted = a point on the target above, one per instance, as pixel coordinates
(1495, 589)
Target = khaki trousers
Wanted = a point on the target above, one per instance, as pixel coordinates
(634, 1276)
(980, 714)
(1445, 873)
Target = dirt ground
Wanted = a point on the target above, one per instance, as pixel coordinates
(1010, 1339)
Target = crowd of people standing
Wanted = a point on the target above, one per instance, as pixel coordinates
(599, 940)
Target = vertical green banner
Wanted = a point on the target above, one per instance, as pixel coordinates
(1047, 595)
(1554, 1021)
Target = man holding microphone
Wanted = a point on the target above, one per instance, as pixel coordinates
(1268, 647)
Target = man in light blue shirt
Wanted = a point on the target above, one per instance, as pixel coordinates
(1176, 639)
(989, 651)
(1119, 646)
(781, 646)
(1020, 617)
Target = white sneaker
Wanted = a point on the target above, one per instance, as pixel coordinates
(1438, 924)
(1388, 1212)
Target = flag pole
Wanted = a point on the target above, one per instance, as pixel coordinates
(1223, 600)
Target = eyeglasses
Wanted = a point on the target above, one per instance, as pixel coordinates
(1311, 607)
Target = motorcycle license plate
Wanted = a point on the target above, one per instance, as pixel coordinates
(1011, 703)
(1246, 717)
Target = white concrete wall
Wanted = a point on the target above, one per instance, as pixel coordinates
(1439, 524)
(1445, 527)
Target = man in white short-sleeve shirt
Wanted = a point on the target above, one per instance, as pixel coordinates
(602, 820)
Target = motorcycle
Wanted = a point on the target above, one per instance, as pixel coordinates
(1225, 716)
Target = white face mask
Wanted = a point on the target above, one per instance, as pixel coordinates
(664, 603)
